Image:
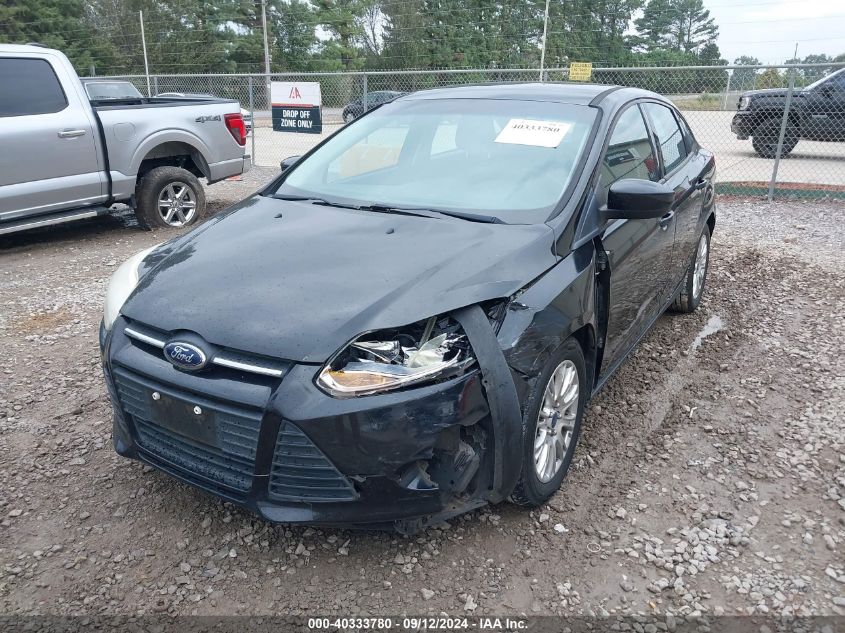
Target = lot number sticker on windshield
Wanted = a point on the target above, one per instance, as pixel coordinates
(530, 132)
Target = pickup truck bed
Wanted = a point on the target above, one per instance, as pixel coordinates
(63, 157)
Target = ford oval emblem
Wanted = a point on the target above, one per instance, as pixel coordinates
(185, 355)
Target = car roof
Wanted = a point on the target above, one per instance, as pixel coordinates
(100, 80)
(558, 92)
(23, 48)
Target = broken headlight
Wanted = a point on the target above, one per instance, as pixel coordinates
(427, 351)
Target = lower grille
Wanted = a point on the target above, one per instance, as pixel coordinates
(230, 463)
(301, 472)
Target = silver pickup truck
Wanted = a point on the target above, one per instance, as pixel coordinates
(64, 157)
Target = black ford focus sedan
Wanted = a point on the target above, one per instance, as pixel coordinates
(407, 323)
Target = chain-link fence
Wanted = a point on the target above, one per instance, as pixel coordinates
(775, 130)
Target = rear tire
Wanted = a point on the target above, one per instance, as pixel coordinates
(540, 479)
(767, 134)
(169, 197)
(695, 278)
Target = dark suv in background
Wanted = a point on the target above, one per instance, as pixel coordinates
(817, 113)
(355, 108)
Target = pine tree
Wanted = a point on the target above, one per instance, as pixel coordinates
(744, 78)
(294, 36)
(678, 25)
(692, 26)
(590, 30)
(60, 24)
(341, 19)
(654, 24)
(403, 32)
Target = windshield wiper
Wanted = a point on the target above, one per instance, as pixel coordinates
(413, 211)
(422, 212)
(472, 217)
(432, 213)
(321, 201)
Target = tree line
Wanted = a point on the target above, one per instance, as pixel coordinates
(226, 36)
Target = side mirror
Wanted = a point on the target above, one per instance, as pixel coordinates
(289, 162)
(632, 199)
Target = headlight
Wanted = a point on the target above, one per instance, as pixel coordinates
(744, 102)
(427, 351)
(121, 285)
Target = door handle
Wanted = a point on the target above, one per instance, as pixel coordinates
(666, 220)
(71, 133)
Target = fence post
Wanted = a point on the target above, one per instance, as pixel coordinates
(727, 88)
(364, 88)
(252, 118)
(783, 125)
(155, 83)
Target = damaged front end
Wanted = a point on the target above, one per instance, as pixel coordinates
(424, 415)
(429, 351)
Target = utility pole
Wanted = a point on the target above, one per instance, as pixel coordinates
(545, 31)
(266, 53)
(144, 44)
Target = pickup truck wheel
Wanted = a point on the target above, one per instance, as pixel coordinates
(696, 275)
(169, 197)
(766, 136)
(551, 425)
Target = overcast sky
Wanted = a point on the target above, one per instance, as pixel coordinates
(769, 29)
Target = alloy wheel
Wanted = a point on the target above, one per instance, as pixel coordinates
(556, 421)
(177, 204)
(700, 269)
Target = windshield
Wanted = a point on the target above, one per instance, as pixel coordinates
(819, 82)
(504, 158)
(99, 90)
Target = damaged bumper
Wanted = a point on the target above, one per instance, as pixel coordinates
(293, 454)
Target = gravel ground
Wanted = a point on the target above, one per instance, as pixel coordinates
(710, 477)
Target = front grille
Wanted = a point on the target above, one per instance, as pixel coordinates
(230, 463)
(301, 472)
(152, 341)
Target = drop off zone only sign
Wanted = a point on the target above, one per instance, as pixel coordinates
(296, 106)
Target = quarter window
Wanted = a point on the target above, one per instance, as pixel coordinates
(629, 152)
(670, 139)
(29, 86)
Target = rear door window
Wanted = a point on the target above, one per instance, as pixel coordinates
(29, 86)
(670, 139)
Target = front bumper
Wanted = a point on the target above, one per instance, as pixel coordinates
(393, 460)
(744, 123)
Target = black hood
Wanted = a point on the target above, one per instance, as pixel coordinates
(770, 92)
(298, 281)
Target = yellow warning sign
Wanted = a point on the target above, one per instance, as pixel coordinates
(580, 71)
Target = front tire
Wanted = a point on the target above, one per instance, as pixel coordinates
(767, 134)
(169, 197)
(696, 276)
(551, 425)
